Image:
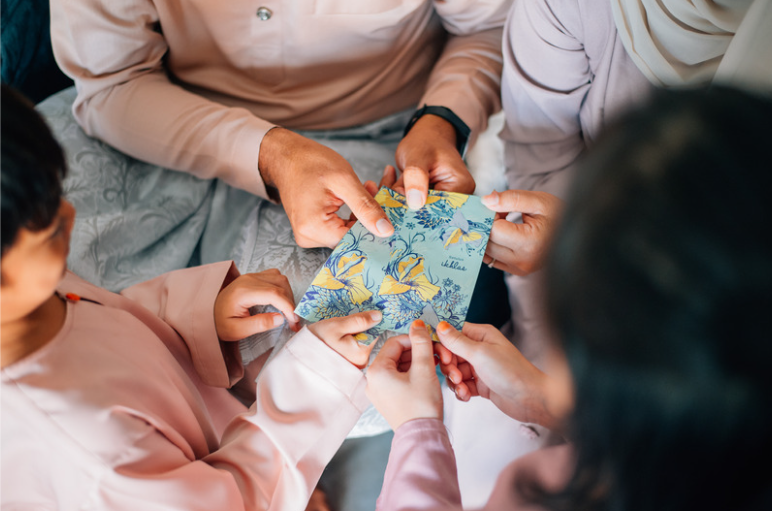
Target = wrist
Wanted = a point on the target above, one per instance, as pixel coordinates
(271, 152)
(541, 411)
(436, 128)
(459, 136)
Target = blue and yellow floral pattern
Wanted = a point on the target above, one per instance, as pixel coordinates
(426, 270)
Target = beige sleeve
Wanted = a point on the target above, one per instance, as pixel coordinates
(113, 51)
(467, 76)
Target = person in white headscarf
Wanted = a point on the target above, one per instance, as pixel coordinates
(686, 42)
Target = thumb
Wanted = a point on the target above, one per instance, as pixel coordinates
(421, 346)
(456, 342)
(416, 181)
(364, 207)
(521, 201)
(515, 235)
(338, 328)
(357, 323)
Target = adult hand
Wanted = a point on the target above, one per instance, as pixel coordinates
(313, 183)
(338, 334)
(428, 157)
(520, 248)
(388, 179)
(232, 318)
(484, 363)
(401, 381)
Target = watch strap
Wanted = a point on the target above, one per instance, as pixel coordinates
(462, 130)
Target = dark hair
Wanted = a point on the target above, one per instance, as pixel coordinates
(659, 287)
(32, 168)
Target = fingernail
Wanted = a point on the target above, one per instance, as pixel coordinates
(384, 227)
(415, 199)
(491, 199)
(297, 318)
(443, 327)
(453, 378)
(278, 319)
(376, 316)
(418, 324)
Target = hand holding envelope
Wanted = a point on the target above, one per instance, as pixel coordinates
(426, 270)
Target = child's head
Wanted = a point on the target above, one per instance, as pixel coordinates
(660, 288)
(36, 221)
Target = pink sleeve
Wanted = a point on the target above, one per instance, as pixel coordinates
(545, 80)
(184, 299)
(270, 458)
(421, 473)
(467, 76)
(114, 52)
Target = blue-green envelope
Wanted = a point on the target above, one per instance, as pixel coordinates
(426, 270)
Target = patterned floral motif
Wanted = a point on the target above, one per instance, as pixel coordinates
(394, 205)
(410, 277)
(426, 270)
(345, 274)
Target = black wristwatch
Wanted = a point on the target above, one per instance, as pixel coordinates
(462, 130)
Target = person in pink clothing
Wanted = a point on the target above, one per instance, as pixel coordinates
(658, 287)
(120, 401)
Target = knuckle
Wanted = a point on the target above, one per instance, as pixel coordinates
(264, 321)
(367, 203)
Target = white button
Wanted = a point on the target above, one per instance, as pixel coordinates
(264, 13)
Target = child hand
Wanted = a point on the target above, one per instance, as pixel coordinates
(484, 363)
(338, 334)
(232, 318)
(401, 381)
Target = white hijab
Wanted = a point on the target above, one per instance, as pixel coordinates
(693, 42)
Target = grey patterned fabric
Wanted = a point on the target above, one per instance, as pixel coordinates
(136, 221)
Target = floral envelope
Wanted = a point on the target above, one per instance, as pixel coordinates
(426, 270)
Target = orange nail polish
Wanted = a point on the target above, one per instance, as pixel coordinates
(419, 324)
(444, 326)
(72, 297)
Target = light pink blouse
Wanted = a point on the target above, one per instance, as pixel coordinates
(421, 473)
(195, 85)
(566, 75)
(126, 409)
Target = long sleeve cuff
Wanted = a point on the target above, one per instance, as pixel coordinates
(421, 473)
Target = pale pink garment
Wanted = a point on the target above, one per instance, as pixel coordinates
(421, 474)
(566, 74)
(126, 409)
(313, 64)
